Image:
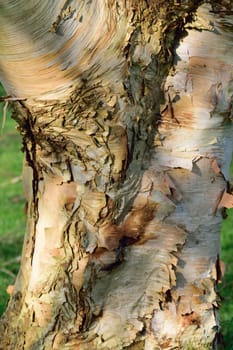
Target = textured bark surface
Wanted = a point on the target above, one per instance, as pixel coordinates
(127, 147)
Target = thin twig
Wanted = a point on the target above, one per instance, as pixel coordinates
(8, 272)
(4, 113)
(10, 261)
(6, 99)
(11, 98)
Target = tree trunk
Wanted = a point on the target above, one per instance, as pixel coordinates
(125, 111)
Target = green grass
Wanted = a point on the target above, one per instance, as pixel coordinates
(226, 288)
(12, 220)
(12, 226)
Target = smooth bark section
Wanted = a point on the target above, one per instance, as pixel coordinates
(121, 249)
(50, 42)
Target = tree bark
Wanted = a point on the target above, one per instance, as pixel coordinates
(125, 112)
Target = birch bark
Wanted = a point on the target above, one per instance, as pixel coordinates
(125, 113)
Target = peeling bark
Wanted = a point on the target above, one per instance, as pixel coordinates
(127, 137)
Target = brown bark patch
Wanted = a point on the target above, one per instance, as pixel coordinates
(189, 319)
(109, 236)
(135, 223)
(226, 201)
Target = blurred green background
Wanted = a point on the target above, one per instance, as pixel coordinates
(13, 221)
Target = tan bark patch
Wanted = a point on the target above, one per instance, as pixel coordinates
(226, 201)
